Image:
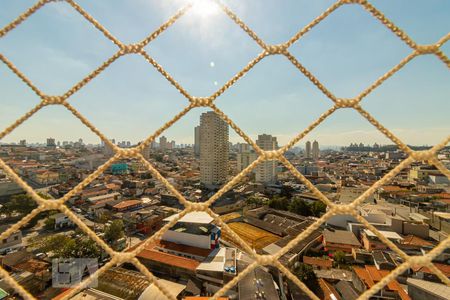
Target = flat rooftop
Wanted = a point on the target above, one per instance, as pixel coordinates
(436, 289)
(196, 217)
(387, 234)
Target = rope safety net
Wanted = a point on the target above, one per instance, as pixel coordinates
(429, 156)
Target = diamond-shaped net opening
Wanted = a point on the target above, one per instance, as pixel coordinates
(139, 48)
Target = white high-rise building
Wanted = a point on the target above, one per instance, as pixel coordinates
(245, 156)
(197, 141)
(308, 149)
(213, 149)
(266, 171)
(163, 143)
(107, 150)
(315, 150)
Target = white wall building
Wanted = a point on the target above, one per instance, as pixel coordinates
(266, 171)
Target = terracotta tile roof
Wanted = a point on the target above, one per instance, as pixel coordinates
(126, 203)
(371, 275)
(374, 273)
(168, 259)
(364, 276)
(315, 261)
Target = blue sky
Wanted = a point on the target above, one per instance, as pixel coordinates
(56, 48)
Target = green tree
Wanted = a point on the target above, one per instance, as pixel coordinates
(306, 274)
(82, 248)
(255, 200)
(114, 231)
(300, 207)
(281, 203)
(21, 204)
(318, 208)
(339, 258)
(54, 243)
(49, 223)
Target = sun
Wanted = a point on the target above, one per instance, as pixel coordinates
(205, 8)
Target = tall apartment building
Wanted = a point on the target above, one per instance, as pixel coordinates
(266, 171)
(213, 149)
(315, 150)
(163, 143)
(308, 149)
(146, 152)
(51, 142)
(197, 140)
(245, 156)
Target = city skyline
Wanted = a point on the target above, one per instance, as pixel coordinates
(147, 101)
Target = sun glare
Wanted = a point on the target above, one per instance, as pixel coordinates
(205, 8)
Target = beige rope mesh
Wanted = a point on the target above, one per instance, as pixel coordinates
(429, 156)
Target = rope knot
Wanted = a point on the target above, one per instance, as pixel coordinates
(346, 209)
(264, 260)
(193, 206)
(202, 101)
(354, 1)
(342, 102)
(427, 49)
(422, 155)
(276, 49)
(124, 256)
(51, 100)
(131, 48)
(272, 154)
(129, 153)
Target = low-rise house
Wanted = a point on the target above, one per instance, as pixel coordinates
(367, 277)
(422, 289)
(14, 241)
(61, 221)
(317, 262)
(105, 197)
(34, 274)
(383, 260)
(423, 272)
(127, 205)
(339, 240)
(372, 242)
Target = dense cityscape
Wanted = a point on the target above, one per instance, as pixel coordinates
(267, 209)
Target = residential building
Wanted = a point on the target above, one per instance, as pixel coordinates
(51, 143)
(191, 250)
(315, 150)
(340, 240)
(14, 241)
(213, 149)
(163, 143)
(308, 150)
(266, 171)
(197, 141)
(421, 289)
